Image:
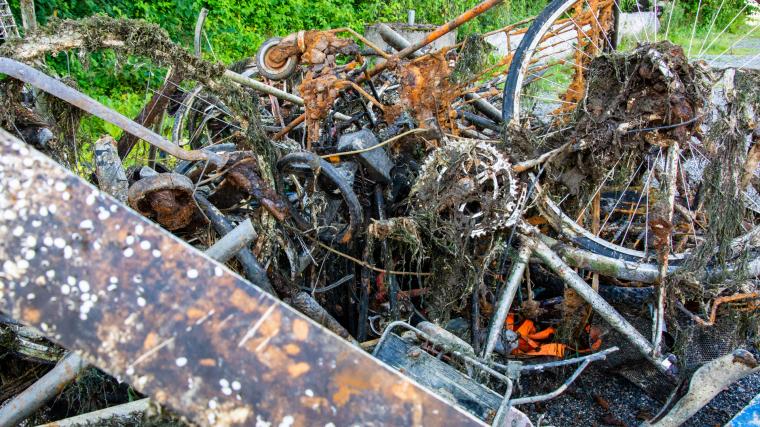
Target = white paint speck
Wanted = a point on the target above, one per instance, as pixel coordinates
(18, 231)
(192, 273)
(59, 243)
(86, 225)
(141, 301)
(235, 385)
(65, 289)
(308, 392)
(287, 421)
(84, 286)
(156, 253)
(128, 252)
(181, 361)
(145, 245)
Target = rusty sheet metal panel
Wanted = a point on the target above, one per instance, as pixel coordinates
(149, 309)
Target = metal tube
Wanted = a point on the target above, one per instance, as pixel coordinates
(506, 403)
(56, 88)
(232, 242)
(44, 389)
(394, 39)
(261, 87)
(506, 297)
(251, 267)
(478, 121)
(608, 313)
(197, 46)
(613, 267)
(450, 26)
(540, 367)
(669, 184)
(555, 393)
(484, 107)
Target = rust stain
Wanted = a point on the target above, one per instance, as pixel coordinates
(298, 369)
(194, 313)
(350, 383)
(300, 329)
(292, 349)
(31, 315)
(243, 302)
(151, 340)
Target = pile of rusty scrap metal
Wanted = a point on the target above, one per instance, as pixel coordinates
(384, 196)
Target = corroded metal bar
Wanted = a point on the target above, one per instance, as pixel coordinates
(180, 327)
(42, 81)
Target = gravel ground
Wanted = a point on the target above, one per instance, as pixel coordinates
(599, 398)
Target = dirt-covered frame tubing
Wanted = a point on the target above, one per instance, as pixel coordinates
(555, 263)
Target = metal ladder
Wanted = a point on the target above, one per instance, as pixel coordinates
(8, 28)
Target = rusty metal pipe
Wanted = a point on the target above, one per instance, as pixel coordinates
(42, 81)
(440, 32)
(44, 389)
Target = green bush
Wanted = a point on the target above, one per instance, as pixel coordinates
(722, 12)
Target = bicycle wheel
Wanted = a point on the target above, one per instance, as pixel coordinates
(546, 76)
